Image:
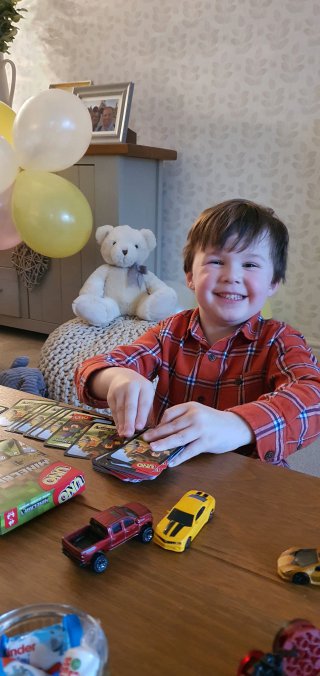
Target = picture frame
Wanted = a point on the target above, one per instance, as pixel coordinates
(109, 106)
(70, 86)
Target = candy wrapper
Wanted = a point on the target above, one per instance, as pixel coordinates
(46, 648)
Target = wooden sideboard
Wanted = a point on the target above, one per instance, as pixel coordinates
(123, 185)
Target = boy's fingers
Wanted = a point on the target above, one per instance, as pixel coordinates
(129, 414)
(166, 429)
(143, 409)
(174, 412)
(189, 452)
(174, 439)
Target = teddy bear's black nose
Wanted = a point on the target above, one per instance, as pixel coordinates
(124, 251)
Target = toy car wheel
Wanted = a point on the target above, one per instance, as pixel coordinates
(188, 544)
(300, 578)
(146, 534)
(211, 515)
(99, 563)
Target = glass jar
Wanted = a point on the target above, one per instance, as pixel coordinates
(28, 618)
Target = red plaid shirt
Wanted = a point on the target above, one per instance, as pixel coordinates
(264, 372)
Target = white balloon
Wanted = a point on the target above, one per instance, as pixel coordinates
(51, 131)
(9, 165)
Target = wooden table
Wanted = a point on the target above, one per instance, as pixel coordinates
(165, 613)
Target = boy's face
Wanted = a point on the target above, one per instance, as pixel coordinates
(231, 286)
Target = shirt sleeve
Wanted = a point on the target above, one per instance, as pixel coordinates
(144, 356)
(286, 418)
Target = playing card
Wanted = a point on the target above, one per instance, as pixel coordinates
(136, 459)
(36, 418)
(70, 430)
(51, 425)
(9, 448)
(98, 438)
(118, 475)
(20, 410)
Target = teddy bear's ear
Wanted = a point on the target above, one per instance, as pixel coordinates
(102, 232)
(149, 238)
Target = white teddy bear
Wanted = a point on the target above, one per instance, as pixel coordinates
(123, 286)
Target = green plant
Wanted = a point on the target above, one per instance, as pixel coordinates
(9, 17)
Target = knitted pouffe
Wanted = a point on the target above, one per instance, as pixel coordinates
(72, 342)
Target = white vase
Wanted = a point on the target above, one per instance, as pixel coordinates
(6, 94)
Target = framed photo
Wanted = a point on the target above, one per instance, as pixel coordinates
(69, 86)
(109, 107)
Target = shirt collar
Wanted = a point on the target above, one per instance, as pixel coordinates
(250, 329)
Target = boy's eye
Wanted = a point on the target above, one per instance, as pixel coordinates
(250, 265)
(216, 261)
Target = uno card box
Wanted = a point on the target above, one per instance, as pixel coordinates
(30, 483)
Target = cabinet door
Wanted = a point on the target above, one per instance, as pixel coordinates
(9, 293)
(13, 295)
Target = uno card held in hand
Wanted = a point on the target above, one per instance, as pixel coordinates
(135, 459)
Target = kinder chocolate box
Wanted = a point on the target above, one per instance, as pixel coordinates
(30, 484)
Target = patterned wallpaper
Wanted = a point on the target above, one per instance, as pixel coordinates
(232, 85)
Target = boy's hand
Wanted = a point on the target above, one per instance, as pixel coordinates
(129, 395)
(201, 429)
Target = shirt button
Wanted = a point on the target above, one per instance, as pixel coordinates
(211, 357)
(201, 400)
(269, 456)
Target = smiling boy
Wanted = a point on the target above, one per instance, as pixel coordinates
(227, 378)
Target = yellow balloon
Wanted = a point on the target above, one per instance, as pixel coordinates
(7, 116)
(51, 214)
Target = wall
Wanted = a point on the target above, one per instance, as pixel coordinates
(232, 85)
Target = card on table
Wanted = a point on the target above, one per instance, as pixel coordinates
(10, 448)
(70, 430)
(21, 409)
(98, 438)
(36, 418)
(48, 427)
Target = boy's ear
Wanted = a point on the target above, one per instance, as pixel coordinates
(273, 289)
(189, 280)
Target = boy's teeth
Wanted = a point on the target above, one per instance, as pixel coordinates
(231, 296)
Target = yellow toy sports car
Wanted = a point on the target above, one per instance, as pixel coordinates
(300, 566)
(184, 521)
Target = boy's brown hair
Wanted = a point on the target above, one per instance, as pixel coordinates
(247, 222)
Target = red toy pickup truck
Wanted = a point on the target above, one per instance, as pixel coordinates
(107, 530)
